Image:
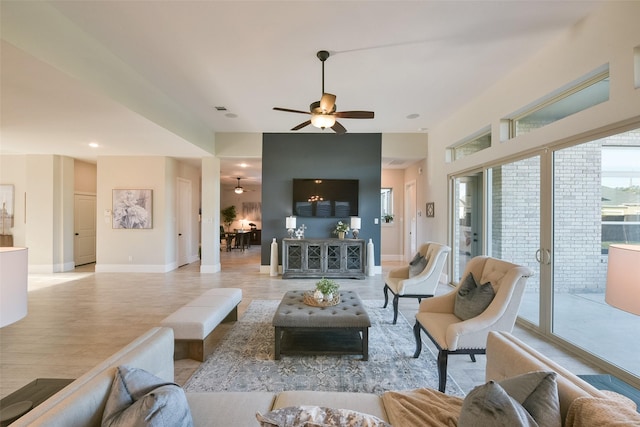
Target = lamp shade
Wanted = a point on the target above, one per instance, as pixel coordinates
(623, 283)
(13, 285)
(290, 222)
(355, 223)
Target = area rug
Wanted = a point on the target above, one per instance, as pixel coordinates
(243, 361)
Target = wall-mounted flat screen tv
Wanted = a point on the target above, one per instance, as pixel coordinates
(328, 198)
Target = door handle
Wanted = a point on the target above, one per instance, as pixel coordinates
(179, 234)
(77, 234)
(541, 254)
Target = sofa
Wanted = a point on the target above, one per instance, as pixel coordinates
(82, 402)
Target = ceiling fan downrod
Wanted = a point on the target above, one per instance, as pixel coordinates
(322, 56)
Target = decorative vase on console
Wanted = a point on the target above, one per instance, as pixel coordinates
(341, 229)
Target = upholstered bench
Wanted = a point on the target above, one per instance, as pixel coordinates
(194, 322)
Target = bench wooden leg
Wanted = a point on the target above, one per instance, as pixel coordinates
(189, 349)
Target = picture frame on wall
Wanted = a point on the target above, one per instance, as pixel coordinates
(132, 208)
(431, 209)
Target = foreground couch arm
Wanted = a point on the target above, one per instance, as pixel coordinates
(81, 403)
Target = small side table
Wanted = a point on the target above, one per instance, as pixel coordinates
(28, 397)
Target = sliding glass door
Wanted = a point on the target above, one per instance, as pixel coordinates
(596, 187)
(467, 227)
(514, 224)
(557, 212)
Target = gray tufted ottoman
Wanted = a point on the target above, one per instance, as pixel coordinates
(304, 329)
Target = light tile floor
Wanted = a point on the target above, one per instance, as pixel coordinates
(77, 319)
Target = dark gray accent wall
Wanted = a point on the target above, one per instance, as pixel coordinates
(319, 155)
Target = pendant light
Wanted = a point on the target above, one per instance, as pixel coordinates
(239, 189)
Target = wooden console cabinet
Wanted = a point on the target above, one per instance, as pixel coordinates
(332, 258)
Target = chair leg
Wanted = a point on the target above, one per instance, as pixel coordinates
(442, 370)
(386, 296)
(473, 357)
(416, 334)
(396, 297)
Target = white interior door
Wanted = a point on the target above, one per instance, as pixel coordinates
(183, 220)
(411, 245)
(84, 224)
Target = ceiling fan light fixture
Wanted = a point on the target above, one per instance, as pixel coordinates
(323, 121)
(238, 189)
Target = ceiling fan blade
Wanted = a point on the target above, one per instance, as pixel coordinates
(289, 110)
(301, 125)
(338, 128)
(328, 102)
(355, 114)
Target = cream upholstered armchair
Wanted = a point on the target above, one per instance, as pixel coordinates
(406, 282)
(453, 335)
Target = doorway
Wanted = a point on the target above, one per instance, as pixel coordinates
(183, 220)
(84, 225)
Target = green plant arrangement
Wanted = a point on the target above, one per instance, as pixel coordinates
(387, 217)
(327, 286)
(341, 227)
(228, 216)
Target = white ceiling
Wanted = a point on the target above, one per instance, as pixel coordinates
(401, 59)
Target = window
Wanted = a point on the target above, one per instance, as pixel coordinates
(386, 202)
(580, 96)
(472, 144)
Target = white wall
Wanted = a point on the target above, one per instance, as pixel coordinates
(85, 177)
(607, 36)
(43, 221)
(210, 262)
(151, 250)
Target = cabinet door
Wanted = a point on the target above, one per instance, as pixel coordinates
(334, 258)
(354, 257)
(314, 257)
(293, 257)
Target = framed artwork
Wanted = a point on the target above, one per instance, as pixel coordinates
(252, 211)
(132, 209)
(7, 210)
(431, 209)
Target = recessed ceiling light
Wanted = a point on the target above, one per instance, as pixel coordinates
(94, 145)
(413, 116)
(220, 108)
(243, 165)
(231, 115)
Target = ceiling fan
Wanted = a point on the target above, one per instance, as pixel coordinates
(238, 189)
(323, 112)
